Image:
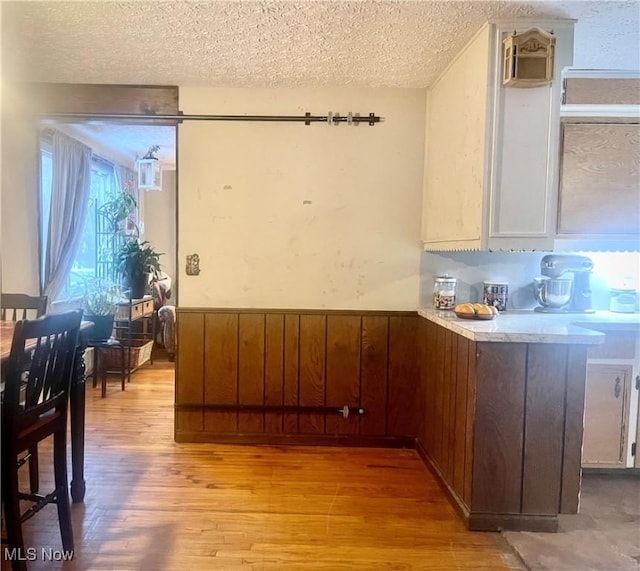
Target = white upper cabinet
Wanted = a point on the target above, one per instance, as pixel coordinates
(491, 164)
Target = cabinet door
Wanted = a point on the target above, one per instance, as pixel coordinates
(599, 179)
(605, 417)
(637, 456)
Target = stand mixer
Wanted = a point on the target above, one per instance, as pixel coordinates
(558, 294)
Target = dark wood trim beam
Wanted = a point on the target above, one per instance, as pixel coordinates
(142, 100)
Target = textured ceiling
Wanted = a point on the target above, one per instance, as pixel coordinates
(300, 43)
(269, 43)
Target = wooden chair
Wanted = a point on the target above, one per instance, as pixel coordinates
(100, 350)
(14, 306)
(22, 306)
(34, 406)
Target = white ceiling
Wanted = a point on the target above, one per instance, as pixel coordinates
(291, 43)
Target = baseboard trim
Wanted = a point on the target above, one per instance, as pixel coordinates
(297, 439)
(512, 522)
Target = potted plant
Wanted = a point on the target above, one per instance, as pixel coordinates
(101, 298)
(119, 209)
(135, 261)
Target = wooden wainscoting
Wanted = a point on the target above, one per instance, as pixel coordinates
(447, 388)
(279, 376)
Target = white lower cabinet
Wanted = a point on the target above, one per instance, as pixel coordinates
(606, 416)
(611, 402)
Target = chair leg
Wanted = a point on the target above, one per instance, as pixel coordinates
(94, 373)
(61, 483)
(128, 350)
(13, 525)
(103, 373)
(34, 477)
(123, 376)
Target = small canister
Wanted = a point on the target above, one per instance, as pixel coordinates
(444, 292)
(623, 300)
(496, 294)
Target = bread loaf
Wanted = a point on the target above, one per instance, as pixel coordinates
(466, 308)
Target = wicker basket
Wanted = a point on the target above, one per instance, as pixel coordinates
(140, 354)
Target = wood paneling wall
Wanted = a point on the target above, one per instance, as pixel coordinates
(265, 376)
(447, 388)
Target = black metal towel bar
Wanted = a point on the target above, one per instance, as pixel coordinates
(345, 411)
(138, 118)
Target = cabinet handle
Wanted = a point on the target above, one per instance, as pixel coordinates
(617, 387)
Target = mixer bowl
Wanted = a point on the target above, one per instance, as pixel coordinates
(552, 292)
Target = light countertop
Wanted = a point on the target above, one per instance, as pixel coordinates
(527, 326)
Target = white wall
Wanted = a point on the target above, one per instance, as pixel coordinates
(19, 180)
(160, 222)
(285, 215)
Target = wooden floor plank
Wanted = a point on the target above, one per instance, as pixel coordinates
(153, 503)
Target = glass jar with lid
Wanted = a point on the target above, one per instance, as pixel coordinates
(444, 292)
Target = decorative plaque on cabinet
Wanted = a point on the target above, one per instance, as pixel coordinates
(528, 58)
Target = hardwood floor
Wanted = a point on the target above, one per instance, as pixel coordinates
(154, 504)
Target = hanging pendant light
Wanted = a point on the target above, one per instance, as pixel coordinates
(149, 170)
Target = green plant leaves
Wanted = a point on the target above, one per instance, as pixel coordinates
(136, 258)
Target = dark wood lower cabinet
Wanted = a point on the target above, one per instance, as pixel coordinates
(502, 427)
(286, 377)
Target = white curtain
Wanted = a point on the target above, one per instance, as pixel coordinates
(71, 179)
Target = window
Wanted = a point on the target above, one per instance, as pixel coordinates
(90, 251)
(95, 256)
(46, 168)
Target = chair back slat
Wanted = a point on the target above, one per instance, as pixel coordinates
(16, 306)
(45, 370)
(38, 379)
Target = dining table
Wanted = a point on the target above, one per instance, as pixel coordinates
(76, 400)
